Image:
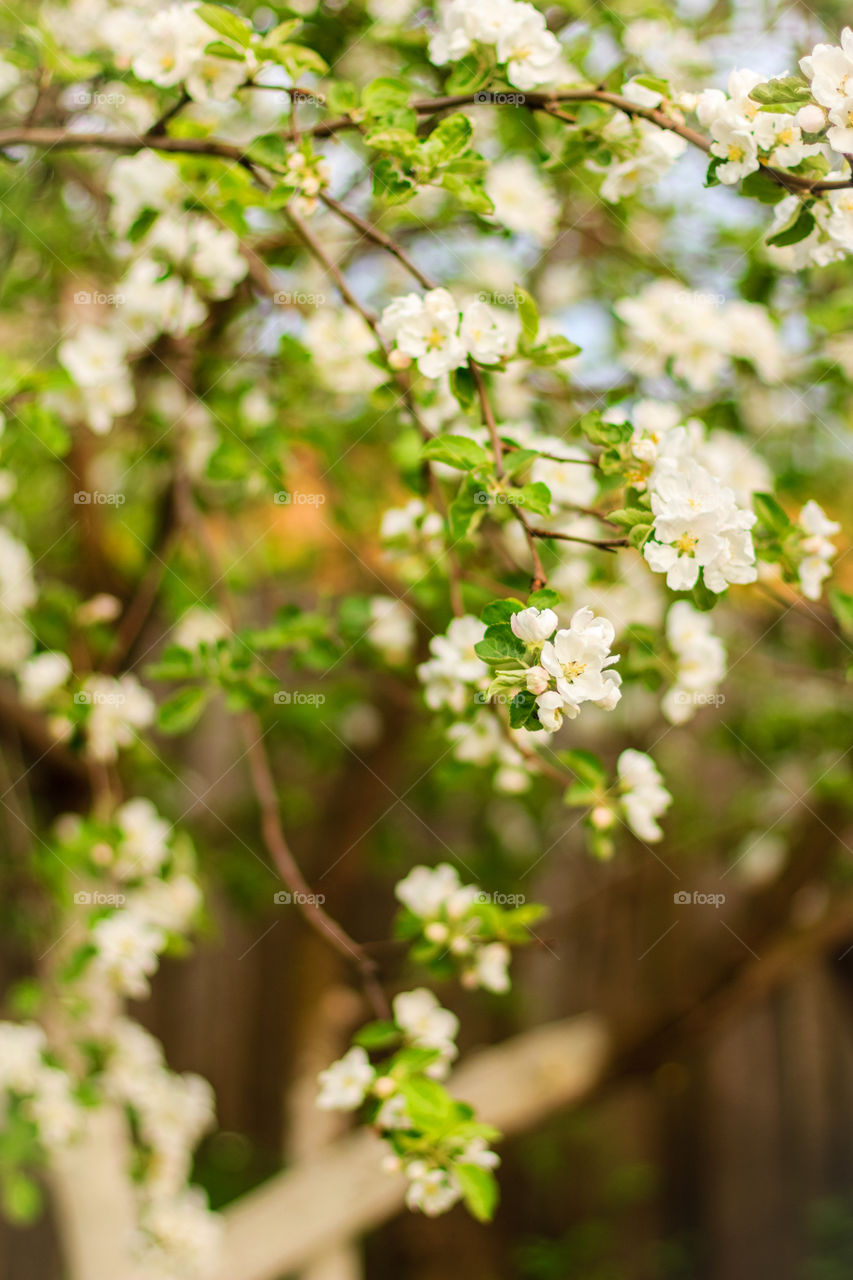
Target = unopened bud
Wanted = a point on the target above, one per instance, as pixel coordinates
(811, 118)
(399, 360)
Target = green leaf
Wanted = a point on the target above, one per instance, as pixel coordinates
(450, 138)
(774, 517)
(281, 33)
(226, 23)
(528, 313)
(639, 534)
(627, 517)
(522, 709)
(785, 89)
(466, 510)
(456, 451)
(390, 182)
(383, 94)
(182, 711)
(501, 611)
(270, 150)
(544, 598)
(296, 58)
(342, 97)
(841, 604)
(702, 598)
(518, 459)
(463, 386)
(218, 49)
(553, 350)
(760, 186)
(535, 497)
(798, 226)
(400, 142)
(21, 1197)
(427, 1102)
(479, 1189)
(499, 644)
(586, 766)
(471, 195)
(377, 1035)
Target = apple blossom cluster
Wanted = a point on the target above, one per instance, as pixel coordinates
(178, 1235)
(392, 628)
(798, 124)
(30, 1085)
(458, 929)
(485, 741)
(642, 795)
(432, 331)
(183, 261)
(700, 661)
(522, 201)
(307, 173)
(17, 596)
(642, 153)
(658, 435)
(165, 45)
(815, 548)
(142, 893)
(454, 672)
(569, 666)
(699, 333)
(744, 136)
(698, 526)
(516, 30)
(433, 1140)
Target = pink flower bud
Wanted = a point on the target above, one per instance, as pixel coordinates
(811, 118)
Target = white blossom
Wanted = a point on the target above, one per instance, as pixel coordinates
(143, 847)
(700, 658)
(431, 1191)
(127, 951)
(531, 53)
(392, 628)
(643, 796)
(533, 625)
(454, 666)
(698, 525)
(817, 550)
(523, 203)
(576, 660)
(41, 676)
(344, 1085)
(117, 709)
